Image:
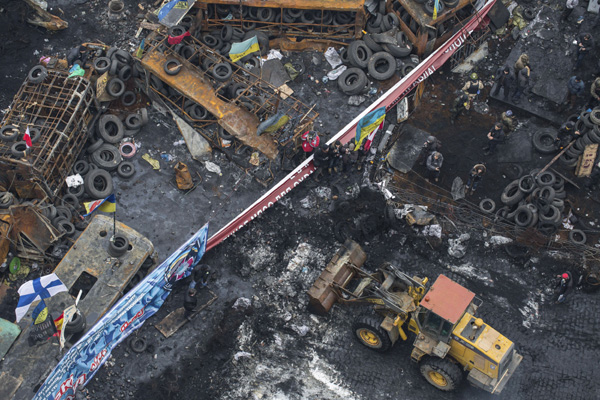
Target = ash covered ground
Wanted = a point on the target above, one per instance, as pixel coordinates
(258, 340)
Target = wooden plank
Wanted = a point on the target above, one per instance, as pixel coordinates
(586, 162)
(176, 319)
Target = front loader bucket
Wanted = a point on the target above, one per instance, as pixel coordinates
(322, 295)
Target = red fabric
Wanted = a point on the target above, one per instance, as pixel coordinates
(389, 100)
(177, 39)
(27, 138)
(310, 145)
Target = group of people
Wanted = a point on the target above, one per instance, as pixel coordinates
(515, 79)
(332, 158)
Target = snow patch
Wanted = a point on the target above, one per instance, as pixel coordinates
(469, 271)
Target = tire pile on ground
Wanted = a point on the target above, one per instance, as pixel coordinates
(121, 68)
(18, 149)
(381, 52)
(533, 200)
(588, 123)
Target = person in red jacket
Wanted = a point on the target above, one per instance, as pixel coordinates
(310, 141)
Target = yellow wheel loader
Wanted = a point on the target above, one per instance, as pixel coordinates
(450, 341)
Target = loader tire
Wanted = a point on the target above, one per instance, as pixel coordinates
(368, 331)
(441, 373)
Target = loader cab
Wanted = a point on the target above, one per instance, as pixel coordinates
(440, 310)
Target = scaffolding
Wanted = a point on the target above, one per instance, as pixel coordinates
(60, 109)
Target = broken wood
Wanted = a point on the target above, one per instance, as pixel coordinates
(556, 157)
(176, 319)
(565, 178)
(44, 19)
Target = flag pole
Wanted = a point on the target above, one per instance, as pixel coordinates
(115, 221)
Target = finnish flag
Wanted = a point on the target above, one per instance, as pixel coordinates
(37, 289)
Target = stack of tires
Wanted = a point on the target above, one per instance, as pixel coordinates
(121, 68)
(533, 200)
(13, 136)
(587, 123)
(381, 54)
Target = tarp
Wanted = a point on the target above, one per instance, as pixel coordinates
(82, 361)
(389, 99)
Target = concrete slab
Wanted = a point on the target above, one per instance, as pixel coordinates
(593, 6)
(407, 148)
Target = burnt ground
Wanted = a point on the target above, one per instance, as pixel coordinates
(270, 346)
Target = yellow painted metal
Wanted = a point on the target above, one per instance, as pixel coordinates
(402, 333)
(369, 337)
(235, 120)
(438, 379)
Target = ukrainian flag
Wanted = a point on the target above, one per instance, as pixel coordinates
(241, 50)
(368, 126)
(108, 205)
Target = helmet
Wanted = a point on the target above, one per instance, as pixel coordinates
(565, 276)
(474, 76)
(570, 125)
(431, 139)
(509, 113)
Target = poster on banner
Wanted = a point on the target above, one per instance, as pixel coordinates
(84, 359)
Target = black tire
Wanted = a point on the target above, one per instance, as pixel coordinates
(550, 217)
(7, 199)
(110, 128)
(560, 194)
(138, 344)
(452, 3)
(526, 184)
(98, 184)
(102, 64)
(568, 161)
(65, 227)
(94, 146)
(368, 331)
(223, 134)
(19, 149)
(128, 99)
(344, 55)
(226, 33)
(390, 20)
(177, 30)
(543, 142)
(198, 112)
(371, 44)
(547, 193)
(546, 178)
(438, 370)
(221, 71)
(35, 134)
(9, 133)
(398, 51)
(528, 14)
(77, 191)
(107, 157)
(64, 212)
(577, 236)
(81, 167)
(37, 74)
(122, 56)
(172, 66)
(407, 67)
(352, 81)
(488, 206)
(77, 323)
(126, 169)
(511, 194)
(359, 54)
(133, 121)
(125, 73)
(382, 66)
(523, 216)
(118, 245)
(546, 228)
(115, 87)
(70, 200)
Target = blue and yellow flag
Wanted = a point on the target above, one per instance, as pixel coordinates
(108, 204)
(368, 126)
(40, 313)
(436, 5)
(241, 50)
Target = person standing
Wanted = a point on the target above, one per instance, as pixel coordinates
(522, 83)
(475, 176)
(521, 63)
(569, 7)
(190, 301)
(431, 144)
(585, 44)
(200, 276)
(563, 287)
(576, 89)
(495, 136)
(460, 103)
(321, 160)
(505, 80)
(508, 121)
(595, 93)
(434, 164)
(472, 88)
(566, 134)
(310, 141)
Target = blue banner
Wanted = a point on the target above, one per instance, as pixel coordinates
(82, 361)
